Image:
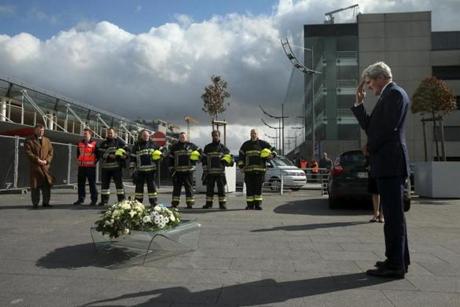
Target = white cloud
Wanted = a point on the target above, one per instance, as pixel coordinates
(7, 10)
(161, 73)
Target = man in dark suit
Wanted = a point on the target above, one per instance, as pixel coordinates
(388, 159)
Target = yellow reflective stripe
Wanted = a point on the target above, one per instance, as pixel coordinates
(209, 198)
(105, 192)
(120, 192)
(139, 194)
(258, 198)
(249, 198)
(153, 194)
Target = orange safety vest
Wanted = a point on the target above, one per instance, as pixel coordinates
(87, 154)
(315, 168)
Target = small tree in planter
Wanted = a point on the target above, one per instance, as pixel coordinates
(214, 100)
(433, 97)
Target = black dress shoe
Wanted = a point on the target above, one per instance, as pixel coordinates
(77, 203)
(207, 206)
(93, 203)
(257, 207)
(34, 206)
(387, 273)
(381, 264)
(101, 204)
(222, 207)
(250, 207)
(47, 205)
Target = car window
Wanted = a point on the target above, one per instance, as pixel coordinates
(281, 161)
(355, 158)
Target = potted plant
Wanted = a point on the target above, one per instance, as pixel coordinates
(436, 179)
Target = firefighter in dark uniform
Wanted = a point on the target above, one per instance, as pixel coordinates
(145, 156)
(216, 157)
(181, 162)
(112, 154)
(86, 158)
(252, 160)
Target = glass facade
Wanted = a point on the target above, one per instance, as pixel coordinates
(335, 55)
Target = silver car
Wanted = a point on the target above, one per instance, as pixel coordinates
(293, 177)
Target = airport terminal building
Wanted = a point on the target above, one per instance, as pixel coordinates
(407, 44)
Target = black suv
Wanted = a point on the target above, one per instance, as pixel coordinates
(348, 180)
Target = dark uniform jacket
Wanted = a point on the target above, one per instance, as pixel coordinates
(141, 156)
(179, 157)
(106, 153)
(249, 156)
(212, 158)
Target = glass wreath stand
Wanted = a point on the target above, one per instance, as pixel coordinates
(140, 246)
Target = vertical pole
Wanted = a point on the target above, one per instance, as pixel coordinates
(225, 134)
(424, 140)
(69, 162)
(443, 147)
(282, 125)
(3, 110)
(313, 137)
(22, 112)
(16, 162)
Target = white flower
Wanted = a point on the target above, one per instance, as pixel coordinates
(132, 213)
(166, 220)
(147, 219)
(126, 231)
(125, 206)
(172, 218)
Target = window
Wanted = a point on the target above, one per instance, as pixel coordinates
(446, 72)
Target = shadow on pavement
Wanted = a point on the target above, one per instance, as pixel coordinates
(319, 206)
(83, 255)
(309, 226)
(53, 207)
(267, 291)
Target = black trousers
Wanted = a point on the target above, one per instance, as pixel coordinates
(141, 179)
(183, 179)
(106, 176)
(46, 193)
(211, 181)
(254, 181)
(391, 190)
(90, 174)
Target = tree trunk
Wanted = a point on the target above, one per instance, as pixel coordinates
(435, 136)
(443, 148)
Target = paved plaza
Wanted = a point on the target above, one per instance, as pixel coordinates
(296, 252)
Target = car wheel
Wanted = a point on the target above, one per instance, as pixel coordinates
(333, 202)
(275, 184)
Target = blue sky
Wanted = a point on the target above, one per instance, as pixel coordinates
(44, 19)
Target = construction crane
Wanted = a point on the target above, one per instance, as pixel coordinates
(190, 120)
(329, 16)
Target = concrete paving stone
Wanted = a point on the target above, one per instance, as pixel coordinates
(277, 257)
(435, 283)
(419, 298)
(275, 265)
(327, 266)
(443, 269)
(224, 277)
(347, 255)
(353, 297)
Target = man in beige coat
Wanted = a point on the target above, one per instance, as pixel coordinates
(40, 153)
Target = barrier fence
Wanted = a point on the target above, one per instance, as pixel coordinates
(14, 164)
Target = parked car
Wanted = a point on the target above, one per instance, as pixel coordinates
(349, 180)
(293, 177)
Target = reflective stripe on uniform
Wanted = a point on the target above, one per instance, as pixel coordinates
(249, 198)
(120, 192)
(105, 192)
(258, 198)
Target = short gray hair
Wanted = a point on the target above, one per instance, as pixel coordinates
(376, 70)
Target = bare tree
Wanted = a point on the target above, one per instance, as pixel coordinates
(214, 97)
(434, 97)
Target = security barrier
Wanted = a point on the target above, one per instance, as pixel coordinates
(14, 164)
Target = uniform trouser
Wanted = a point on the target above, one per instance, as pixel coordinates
(141, 179)
(46, 193)
(211, 181)
(106, 175)
(90, 173)
(254, 181)
(183, 179)
(391, 190)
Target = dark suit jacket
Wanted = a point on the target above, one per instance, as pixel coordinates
(385, 131)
